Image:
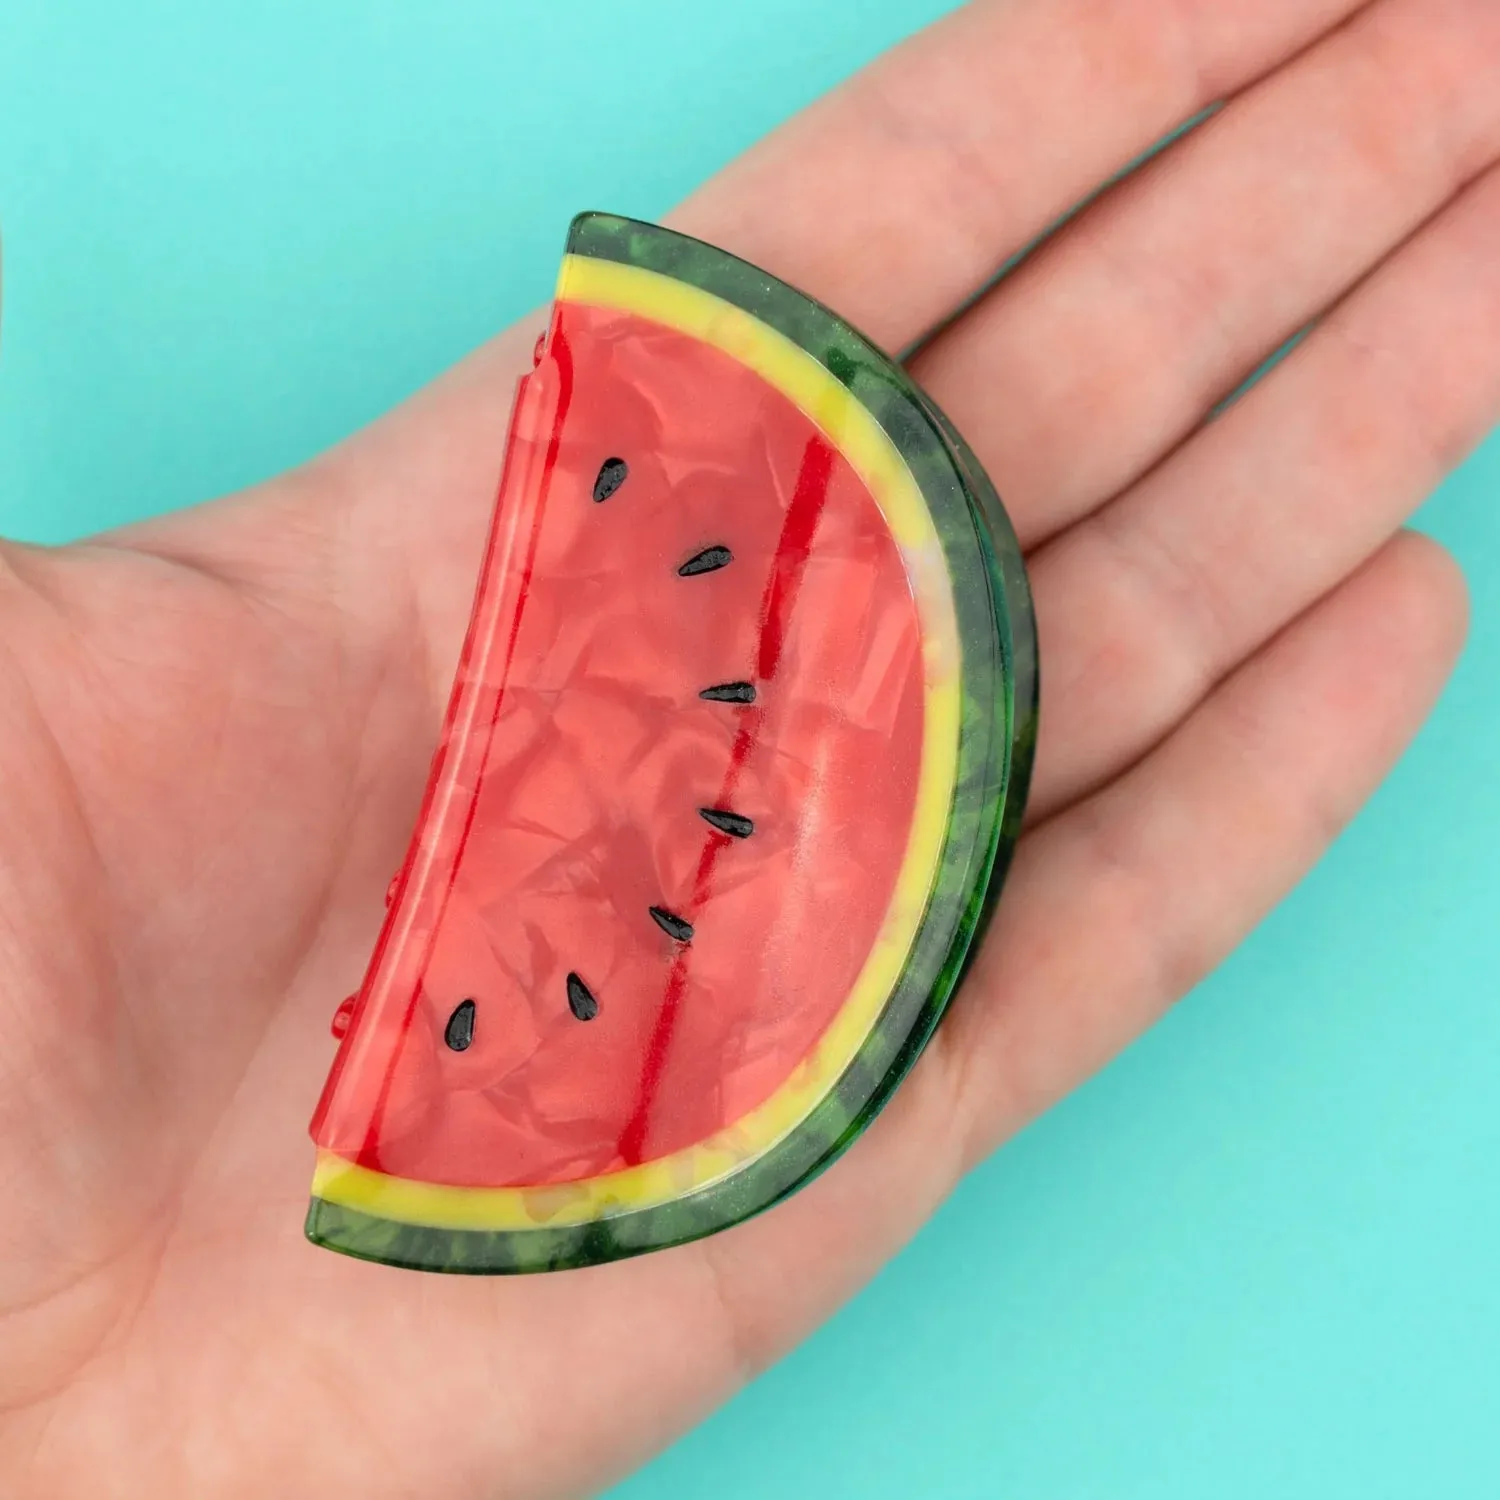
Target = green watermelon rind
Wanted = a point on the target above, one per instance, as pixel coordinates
(997, 742)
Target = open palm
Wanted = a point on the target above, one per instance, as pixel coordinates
(215, 730)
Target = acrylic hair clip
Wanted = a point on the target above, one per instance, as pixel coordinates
(734, 762)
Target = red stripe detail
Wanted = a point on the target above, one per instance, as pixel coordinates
(793, 548)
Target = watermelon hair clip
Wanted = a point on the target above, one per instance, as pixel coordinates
(732, 769)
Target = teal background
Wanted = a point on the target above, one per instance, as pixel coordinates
(1257, 1256)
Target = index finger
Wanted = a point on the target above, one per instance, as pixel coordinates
(899, 195)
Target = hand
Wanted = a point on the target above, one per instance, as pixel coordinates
(216, 727)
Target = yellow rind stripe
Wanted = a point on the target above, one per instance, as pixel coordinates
(849, 427)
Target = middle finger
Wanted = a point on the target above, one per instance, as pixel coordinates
(1077, 373)
(1145, 606)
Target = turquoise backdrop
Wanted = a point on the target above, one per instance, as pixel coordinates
(1257, 1258)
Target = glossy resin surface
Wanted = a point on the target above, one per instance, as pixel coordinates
(736, 752)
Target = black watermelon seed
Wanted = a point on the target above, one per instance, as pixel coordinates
(672, 925)
(729, 692)
(612, 475)
(459, 1032)
(709, 560)
(581, 999)
(733, 824)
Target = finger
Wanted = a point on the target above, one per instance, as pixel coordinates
(1168, 869)
(1095, 358)
(1145, 605)
(899, 195)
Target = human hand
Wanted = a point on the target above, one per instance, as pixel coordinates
(217, 727)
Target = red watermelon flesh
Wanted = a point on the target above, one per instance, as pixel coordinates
(596, 1039)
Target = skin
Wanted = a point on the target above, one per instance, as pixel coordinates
(214, 730)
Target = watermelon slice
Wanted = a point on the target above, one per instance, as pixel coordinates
(734, 762)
